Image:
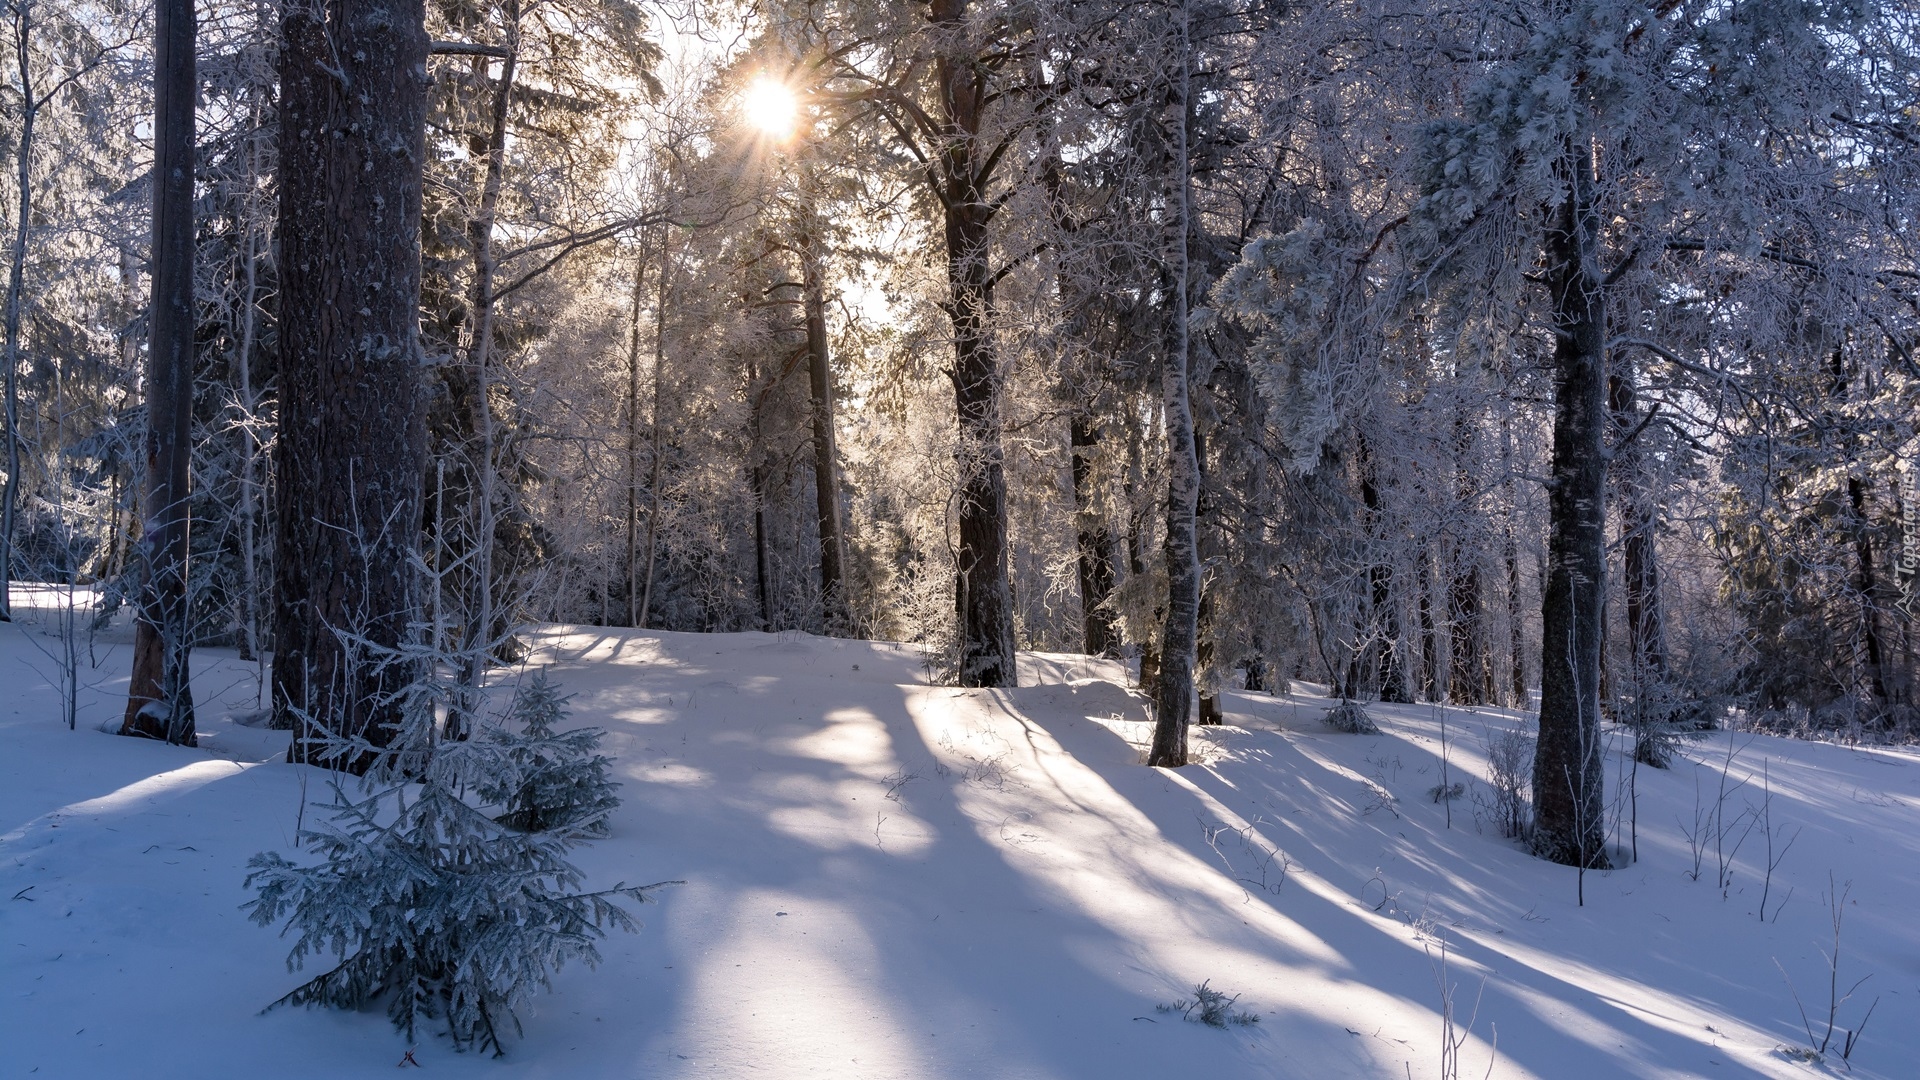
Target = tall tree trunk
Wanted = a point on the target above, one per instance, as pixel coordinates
(1093, 541)
(1646, 621)
(982, 595)
(836, 612)
(16, 271)
(633, 444)
(1174, 701)
(352, 440)
(485, 619)
(1510, 553)
(657, 435)
(1568, 772)
(159, 699)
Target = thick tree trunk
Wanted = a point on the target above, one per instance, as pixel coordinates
(1179, 638)
(1567, 773)
(834, 602)
(982, 595)
(159, 699)
(1094, 542)
(351, 436)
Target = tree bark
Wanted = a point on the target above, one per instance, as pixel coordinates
(633, 446)
(1094, 542)
(351, 435)
(1138, 514)
(1179, 638)
(1870, 598)
(1389, 668)
(1510, 553)
(1568, 772)
(159, 699)
(982, 596)
(656, 435)
(16, 271)
(1429, 634)
(836, 614)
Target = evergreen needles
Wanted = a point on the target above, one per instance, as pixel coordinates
(441, 909)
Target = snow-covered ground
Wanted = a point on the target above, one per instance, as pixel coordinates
(893, 880)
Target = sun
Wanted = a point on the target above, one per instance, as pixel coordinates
(769, 105)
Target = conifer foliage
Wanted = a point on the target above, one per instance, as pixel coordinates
(441, 909)
(547, 782)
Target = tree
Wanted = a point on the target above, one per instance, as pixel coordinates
(160, 700)
(1179, 640)
(351, 442)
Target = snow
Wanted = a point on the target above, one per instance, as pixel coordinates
(893, 880)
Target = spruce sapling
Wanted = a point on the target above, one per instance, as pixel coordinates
(435, 906)
(547, 782)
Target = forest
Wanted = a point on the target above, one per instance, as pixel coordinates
(1546, 358)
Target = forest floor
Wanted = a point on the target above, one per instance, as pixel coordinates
(887, 879)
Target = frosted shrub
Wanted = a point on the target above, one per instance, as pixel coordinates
(440, 909)
(1510, 775)
(1352, 718)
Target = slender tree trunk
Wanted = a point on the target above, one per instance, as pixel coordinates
(657, 434)
(633, 444)
(1469, 676)
(1568, 767)
(485, 624)
(836, 614)
(16, 271)
(1388, 663)
(252, 487)
(1468, 680)
(1870, 597)
(351, 434)
(982, 593)
(1140, 481)
(1510, 553)
(757, 477)
(1429, 634)
(160, 700)
(1094, 542)
(1174, 701)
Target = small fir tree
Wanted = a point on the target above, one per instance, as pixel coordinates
(437, 907)
(547, 782)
